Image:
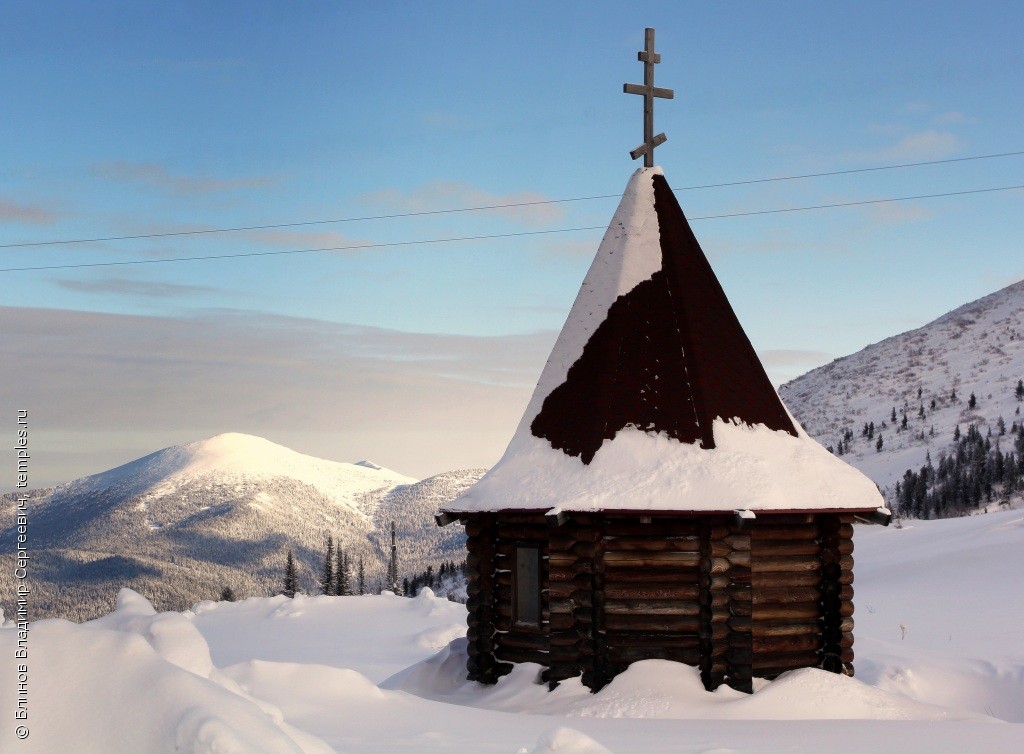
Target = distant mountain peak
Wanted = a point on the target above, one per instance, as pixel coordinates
(234, 457)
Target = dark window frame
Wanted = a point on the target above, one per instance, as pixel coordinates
(536, 596)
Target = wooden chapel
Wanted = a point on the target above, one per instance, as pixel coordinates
(658, 500)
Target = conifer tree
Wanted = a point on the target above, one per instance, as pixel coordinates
(291, 576)
(878, 445)
(227, 594)
(362, 576)
(972, 401)
(342, 587)
(327, 571)
(1019, 392)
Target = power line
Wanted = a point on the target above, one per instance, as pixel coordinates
(512, 205)
(423, 242)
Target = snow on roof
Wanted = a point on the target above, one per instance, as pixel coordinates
(653, 397)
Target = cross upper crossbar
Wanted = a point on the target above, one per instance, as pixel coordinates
(648, 91)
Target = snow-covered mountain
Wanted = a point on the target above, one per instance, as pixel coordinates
(185, 522)
(976, 349)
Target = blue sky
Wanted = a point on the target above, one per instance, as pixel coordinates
(130, 118)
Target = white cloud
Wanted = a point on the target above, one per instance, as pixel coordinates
(158, 176)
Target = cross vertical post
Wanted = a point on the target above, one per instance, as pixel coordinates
(648, 91)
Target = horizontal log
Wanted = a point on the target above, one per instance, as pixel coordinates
(522, 640)
(769, 629)
(570, 560)
(678, 624)
(769, 665)
(651, 607)
(763, 532)
(785, 579)
(580, 580)
(633, 528)
(784, 596)
(561, 622)
(656, 590)
(791, 613)
(516, 654)
(520, 532)
(846, 578)
(784, 548)
(637, 559)
(631, 574)
(652, 639)
(635, 654)
(785, 644)
(563, 538)
(785, 564)
(652, 544)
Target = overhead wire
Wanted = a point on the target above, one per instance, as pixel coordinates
(421, 242)
(509, 205)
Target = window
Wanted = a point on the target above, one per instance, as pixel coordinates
(526, 586)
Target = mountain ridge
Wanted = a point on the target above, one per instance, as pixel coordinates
(184, 522)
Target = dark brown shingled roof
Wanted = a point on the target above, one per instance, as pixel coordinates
(671, 357)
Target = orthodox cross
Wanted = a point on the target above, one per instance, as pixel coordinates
(649, 91)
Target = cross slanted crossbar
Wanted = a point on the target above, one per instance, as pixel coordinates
(649, 91)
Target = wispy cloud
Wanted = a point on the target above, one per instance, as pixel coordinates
(441, 195)
(417, 403)
(953, 116)
(158, 176)
(303, 239)
(895, 213)
(30, 214)
(135, 288)
(925, 145)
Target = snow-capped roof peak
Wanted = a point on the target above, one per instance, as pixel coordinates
(653, 397)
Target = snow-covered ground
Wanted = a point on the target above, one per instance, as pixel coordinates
(940, 668)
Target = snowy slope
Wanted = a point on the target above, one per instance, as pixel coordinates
(187, 521)
(977, 348)
(380, 673)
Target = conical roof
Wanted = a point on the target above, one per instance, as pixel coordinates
(653, 397)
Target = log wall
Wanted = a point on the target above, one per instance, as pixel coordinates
(772, 597)
(802, 596)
